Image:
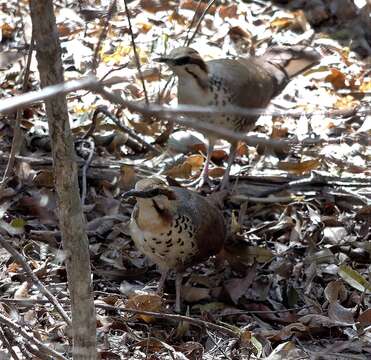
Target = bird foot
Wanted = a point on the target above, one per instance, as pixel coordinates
(201, 183)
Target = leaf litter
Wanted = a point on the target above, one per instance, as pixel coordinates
(294, 279)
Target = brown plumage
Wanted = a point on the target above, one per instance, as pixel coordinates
(174, 227)
(243, 82)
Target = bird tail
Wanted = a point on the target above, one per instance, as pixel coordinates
(285, 62)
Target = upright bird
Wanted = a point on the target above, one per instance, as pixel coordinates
(174, 227)
(248, 83)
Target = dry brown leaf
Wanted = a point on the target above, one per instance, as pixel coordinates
(22, 291)
(297, 21)
(334, 291)
(183, 171)
(196, 161)
(300, 167)
(154, 6)
(193, 5)
(14, 267)
(218, 155)
(301, 20)
(340, 314)
(365, 86)
(180, 19)
(145, 128)
(150, 345)
(317, 321)
(6, 31)
(248, 254)
(199, 148)
(152, 74)
(288, 331)
(216, 172)
(144, 27)
(228, 11)
(44, 178)
(281, 23)
(242, 150)
(279, 132)
(68, 29)
(337, 79)
(346, 102)
(237, 287)
(192, 350)
(145, 302)
(365, 318)
(193, 294)
(236, 33)
(128, 177)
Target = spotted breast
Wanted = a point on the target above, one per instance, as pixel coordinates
(174, 227)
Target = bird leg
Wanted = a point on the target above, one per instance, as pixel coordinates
(178, 289)
(161, 283)
(232, 155)
(204, 177)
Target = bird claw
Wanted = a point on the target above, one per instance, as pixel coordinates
(201, 183)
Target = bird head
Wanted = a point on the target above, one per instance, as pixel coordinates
(185, 60)
(153, 194)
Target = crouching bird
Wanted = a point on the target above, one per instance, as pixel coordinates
(174, 227)
(247, 83)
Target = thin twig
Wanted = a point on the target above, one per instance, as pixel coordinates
(18, 329)
(17, 132)
(192, 22)
(175, 317)
(92, 83)
(199, 322)
(102, 35)
(19, 259)
(210, 4)
(21, 101)
(131, 133)
(7, 344)
(137, 60)
(35, 352)
(85, 168)
(217, 345)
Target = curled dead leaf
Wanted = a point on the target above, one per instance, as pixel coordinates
(216, 172)
(196, 161)
(228, 11)
(218, 155)
(300, 168)
(183, 171)
(365, 318)
(154, 6)
(337, 79)
(145, 302)
(152, 74)
(194, 294)
(334, 291)
(193, 5)
(340, 314)
(44, 178)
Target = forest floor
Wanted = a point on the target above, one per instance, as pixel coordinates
(295, 283)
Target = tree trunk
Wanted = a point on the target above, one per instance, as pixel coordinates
(71, 219)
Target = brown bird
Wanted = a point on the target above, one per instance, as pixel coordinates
(248, 83)
(174, 227)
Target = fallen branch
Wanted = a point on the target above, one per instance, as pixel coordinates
(175, 317)
(20, 260)
(19, 330)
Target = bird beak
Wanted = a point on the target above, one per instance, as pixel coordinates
(146, 194)
(163, 59)
(135, 193)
